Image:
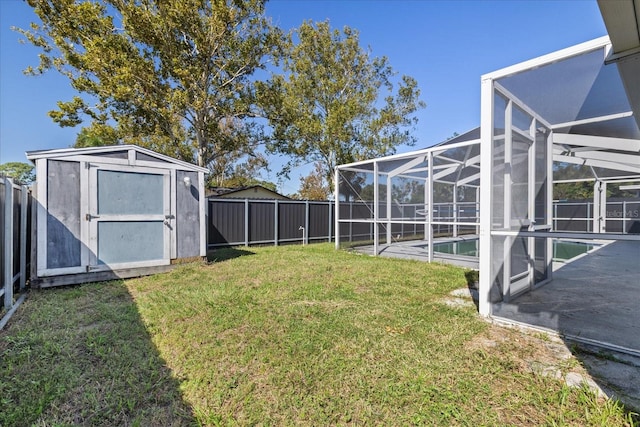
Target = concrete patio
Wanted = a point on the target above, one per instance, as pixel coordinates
(593, 299)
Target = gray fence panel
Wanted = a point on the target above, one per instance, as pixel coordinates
(226, 223)
(17, 206)
(15, 236)
(261, 222)
(3, 230)
(291, 216)
(319, 221)
(227, 220)
(632, 212)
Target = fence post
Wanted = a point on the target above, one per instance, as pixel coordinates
(246, 222)
(24, 193)
(8, 244)
(329, 234)
(305, 237)
(275, 222)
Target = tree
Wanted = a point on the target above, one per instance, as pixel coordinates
(96, 135)
(233, 172)
(314, 186)
(174, 76)
(327, 107)
(20, 172)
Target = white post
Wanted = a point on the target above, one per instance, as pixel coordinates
(336, 214)
(455, 210)
(599, 206)
(476, 216)
(508, 187)
(549, 211)
(376, 200)
(486, 171)
(388, 210)
(429, 225)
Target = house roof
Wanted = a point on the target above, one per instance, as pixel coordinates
(224, 191)
(112, 149)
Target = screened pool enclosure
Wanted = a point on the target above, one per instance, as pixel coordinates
(494, 185)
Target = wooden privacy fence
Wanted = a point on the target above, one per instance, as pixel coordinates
(15, 238)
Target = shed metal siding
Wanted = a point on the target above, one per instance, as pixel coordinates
(63, 217)
(187, 215)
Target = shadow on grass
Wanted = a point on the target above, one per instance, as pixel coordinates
(224, 254)
(473, 277)
(82, 355)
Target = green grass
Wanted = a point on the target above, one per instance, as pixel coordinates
(277, 336)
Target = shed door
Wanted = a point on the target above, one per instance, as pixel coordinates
(129, 216)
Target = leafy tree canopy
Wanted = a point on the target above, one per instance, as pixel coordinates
(172, 76)
(334, 102)
(314, 186)
(20, 172)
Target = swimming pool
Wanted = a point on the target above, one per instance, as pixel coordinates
(563, 250)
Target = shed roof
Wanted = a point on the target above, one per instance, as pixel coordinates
(97, 151)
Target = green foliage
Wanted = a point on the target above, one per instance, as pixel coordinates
(335, 104)
(20, 172)
(96, 135)
(173, 76)
(581, 190)
(314, 186)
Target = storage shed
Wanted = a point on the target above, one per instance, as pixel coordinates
(114, 212)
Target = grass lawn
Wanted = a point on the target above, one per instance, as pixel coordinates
(279, 336)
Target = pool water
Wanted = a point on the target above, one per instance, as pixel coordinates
(462, 247)
(562, 250)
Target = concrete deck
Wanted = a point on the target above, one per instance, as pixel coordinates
(595, 298)
(417, 250)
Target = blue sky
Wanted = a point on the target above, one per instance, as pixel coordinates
(445, 45)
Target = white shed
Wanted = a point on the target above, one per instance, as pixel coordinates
(114, 212)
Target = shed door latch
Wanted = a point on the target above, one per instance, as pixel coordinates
(89, 217)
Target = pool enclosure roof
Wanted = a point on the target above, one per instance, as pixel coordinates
(588, 95)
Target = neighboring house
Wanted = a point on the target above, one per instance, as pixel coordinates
(248, 192)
